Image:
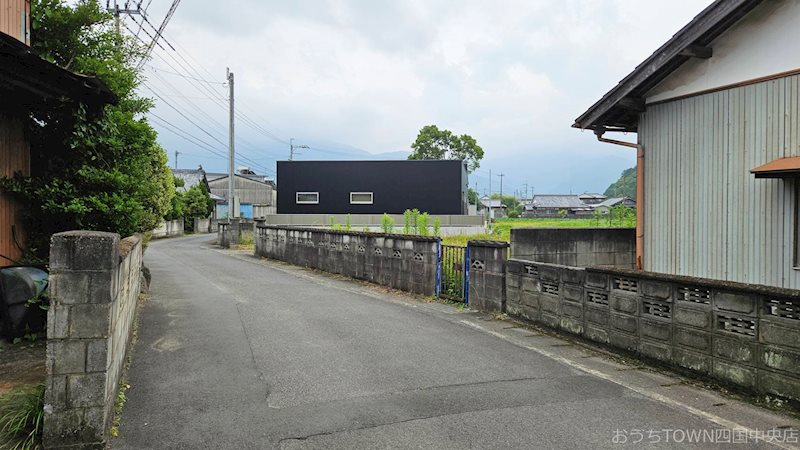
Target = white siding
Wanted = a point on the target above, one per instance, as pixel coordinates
(762, 44)
(705, 214)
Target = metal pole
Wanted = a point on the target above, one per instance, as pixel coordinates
(232, 212)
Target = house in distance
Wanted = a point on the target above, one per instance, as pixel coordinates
(438, 187)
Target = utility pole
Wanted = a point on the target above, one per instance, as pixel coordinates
(116, 11)
(293, 147)
(526, 190)
(501, 184)
(176, 159)
(232, 210)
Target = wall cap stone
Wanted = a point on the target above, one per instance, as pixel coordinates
(492, 244)
(409, 237)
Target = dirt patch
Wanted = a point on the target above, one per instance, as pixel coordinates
(21, 364)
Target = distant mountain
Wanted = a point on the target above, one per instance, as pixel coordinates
(625, 186)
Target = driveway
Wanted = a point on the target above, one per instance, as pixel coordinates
(239, 353)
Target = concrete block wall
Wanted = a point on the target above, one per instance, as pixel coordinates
(577, 247)
(487, 267)
(229, 233)
(744, 335)
(202, 225)
(407, 263)
(169, 228)
(94, 288)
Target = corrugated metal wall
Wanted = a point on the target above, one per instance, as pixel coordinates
(705, 214)
(14, 157)
(248, 191)
(13, 14)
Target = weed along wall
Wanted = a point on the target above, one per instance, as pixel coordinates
(743, 335)
(94, 287)
(404, 262)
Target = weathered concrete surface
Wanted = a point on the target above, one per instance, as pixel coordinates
(239, 353)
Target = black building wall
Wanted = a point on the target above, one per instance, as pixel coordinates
(432, 186)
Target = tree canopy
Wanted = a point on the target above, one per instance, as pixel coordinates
(625, 186)
(92, 171)
(433, 143)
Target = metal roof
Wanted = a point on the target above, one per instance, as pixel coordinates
(619, 109)
(558, 201)
(190, 177)
(779, 168)
(610, 202)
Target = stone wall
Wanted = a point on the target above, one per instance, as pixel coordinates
(94, 287)
(579, 247)
(744, 335)
(408, 263)
(169, 228)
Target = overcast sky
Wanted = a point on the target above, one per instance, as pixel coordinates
(341, 75)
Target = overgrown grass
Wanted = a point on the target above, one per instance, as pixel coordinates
(247, 241)
(501, 229)
(22, 418)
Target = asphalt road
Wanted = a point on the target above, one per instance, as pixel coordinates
(239, 353)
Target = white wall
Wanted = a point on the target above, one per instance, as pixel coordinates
(764, 43)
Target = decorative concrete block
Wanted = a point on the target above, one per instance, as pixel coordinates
(656, 350)
(624, 302)
(695, 339)
(734, 373)
(656, 289)
(692, 317)
(738, 303)
(697, 362)
(735, 350)
(653, 329)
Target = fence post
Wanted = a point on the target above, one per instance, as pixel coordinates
(486, 288)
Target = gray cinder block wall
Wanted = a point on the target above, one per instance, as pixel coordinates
(577, 247)
(487, 267)
(743, 335)
(407, 263)
(94, 288)
(229, 233)
(202, 225)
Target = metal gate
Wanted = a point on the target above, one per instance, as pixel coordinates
(453, 272)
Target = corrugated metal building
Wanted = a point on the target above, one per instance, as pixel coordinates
(256, 194)
(716, 102)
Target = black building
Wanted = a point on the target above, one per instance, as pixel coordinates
(372, 187)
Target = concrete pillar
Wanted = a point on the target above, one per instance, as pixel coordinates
(80, 388)
(487, 273)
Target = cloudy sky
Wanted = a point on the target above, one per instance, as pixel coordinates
(346, 76)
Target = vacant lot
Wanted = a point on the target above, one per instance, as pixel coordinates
(501, 229)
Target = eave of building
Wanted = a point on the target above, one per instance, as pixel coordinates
(619, 109)
(28, 79)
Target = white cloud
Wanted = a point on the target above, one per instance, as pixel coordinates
(512, 73)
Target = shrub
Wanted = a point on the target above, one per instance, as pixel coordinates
(347, 223)
(21, 418)
(422, 224)
(407, 220)
(387, 223)
(437, 225)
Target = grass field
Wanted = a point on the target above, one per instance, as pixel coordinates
(501, 229)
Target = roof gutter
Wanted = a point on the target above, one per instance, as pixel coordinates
(639, 192)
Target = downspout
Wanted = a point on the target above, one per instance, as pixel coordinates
(639, 192)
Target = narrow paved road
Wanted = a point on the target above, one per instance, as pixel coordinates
(237, 353)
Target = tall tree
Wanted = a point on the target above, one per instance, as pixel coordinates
(625, 186)
(91, 171)
(433, 143)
